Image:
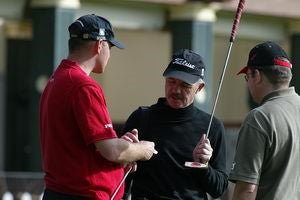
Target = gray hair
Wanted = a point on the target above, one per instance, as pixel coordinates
(276, 75)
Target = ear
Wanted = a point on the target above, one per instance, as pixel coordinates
(98, 46)
(201, 85)
(258, 77)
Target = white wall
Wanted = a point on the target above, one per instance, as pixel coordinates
(127, 15)
(11, 9)
(133, 76)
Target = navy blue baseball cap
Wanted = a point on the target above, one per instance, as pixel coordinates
(187, 66)
(94, 27)
(266, 54)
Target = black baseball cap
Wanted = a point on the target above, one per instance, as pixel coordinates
(94, 27)
(186, 65)
(265, 55)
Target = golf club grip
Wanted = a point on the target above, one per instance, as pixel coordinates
(237, 18)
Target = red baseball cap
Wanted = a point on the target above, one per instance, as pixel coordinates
(266, 54)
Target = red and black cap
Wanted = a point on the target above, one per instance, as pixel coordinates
(93, 27)
(265, 55)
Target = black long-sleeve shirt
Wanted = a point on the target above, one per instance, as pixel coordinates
(176, 132)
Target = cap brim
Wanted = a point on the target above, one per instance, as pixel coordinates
(117, 43)
(243, 71)
(188, 78)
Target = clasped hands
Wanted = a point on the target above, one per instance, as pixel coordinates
(149, 148)
(131, 137)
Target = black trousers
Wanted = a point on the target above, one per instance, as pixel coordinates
(52, 195)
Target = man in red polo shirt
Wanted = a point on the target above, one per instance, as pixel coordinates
(82, 156)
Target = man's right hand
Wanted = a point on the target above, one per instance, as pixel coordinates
(126, 149)
(145, 146)
(148, 149)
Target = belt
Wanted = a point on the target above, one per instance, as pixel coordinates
(53, 195)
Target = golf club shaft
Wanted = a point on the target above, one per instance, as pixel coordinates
(120, 184)
(235, 26)
(219, 88)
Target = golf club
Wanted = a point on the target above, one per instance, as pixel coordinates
(235, 26)
(120, 184)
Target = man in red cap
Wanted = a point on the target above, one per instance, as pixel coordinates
(82, 156)
(266, 164)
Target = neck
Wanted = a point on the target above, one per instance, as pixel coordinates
(268, 88)
(85, 62)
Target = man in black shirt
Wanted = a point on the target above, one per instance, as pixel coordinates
(176, 126)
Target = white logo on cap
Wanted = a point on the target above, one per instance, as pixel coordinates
(102, 32)
(183, 62)
(202, 72)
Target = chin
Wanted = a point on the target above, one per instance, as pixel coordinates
(175, 105)
(98, 71)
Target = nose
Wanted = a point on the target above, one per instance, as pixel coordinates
(176, 89)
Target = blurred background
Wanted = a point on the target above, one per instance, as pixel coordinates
(33, 40)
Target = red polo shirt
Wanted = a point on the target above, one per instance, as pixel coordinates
(73, 116)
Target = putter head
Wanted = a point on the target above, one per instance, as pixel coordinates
(196, 165)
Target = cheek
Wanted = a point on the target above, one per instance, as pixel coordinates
(167, 89)
(108, 53)
(189, 95)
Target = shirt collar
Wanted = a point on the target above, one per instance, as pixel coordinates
(278, 93)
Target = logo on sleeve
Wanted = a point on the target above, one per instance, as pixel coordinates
(108, 126)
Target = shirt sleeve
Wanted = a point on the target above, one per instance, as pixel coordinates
(250, 151)
(91, 114)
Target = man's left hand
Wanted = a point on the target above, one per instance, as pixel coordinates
(203, 151)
